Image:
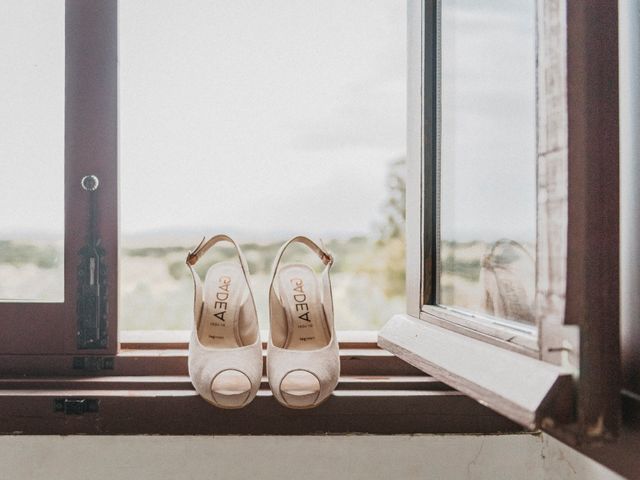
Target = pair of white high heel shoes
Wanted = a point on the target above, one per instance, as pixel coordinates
(225, 349)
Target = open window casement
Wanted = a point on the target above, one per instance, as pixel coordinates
(562, 372)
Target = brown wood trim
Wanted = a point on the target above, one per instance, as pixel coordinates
(392, 397)
(91, 148)
(174, 362)
(593, 224)
(179, 339)
(182, 382)
(183, 412)
(45, 323)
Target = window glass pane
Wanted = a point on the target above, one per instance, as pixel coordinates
(488, 158)
(31, 150)
(262, 119)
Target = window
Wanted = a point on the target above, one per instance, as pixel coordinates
(500, 283)
(263, 112)
(487, 167)
(528, 363)
(75, 357)
(106, 121)
(32, 172)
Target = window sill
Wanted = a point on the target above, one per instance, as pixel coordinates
(381, 406)
(148, 392)
(179, 339)
(520, 387)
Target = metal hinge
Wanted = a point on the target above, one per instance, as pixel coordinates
(75, 406)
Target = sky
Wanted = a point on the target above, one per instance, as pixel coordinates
(488, 166)
(273, 117)
(263, 117)
(31, 115)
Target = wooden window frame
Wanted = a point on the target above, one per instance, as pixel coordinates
(569, 383)
(140, 385)
(147, 391)
(90, 148)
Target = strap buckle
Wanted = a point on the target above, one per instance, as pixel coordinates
(192, 256)
(325, 256)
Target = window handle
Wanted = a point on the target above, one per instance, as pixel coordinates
(91, 304)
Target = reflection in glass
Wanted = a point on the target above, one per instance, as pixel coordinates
(32, 150)
(263, 120)
(488, 158)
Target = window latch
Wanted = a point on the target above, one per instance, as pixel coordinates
(91, 306)
(75, 406)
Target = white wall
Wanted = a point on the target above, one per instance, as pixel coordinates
(494, 457)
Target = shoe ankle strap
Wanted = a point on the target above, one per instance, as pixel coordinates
(324, 256)
(203, 247)
(197, 253)
(327, 260)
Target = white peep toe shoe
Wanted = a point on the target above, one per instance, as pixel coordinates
(303, 362)
(225, 351)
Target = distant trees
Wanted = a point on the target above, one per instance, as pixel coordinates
(392, 229)
(393, 209)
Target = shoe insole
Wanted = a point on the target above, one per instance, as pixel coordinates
(300, 295)
(224, 292)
